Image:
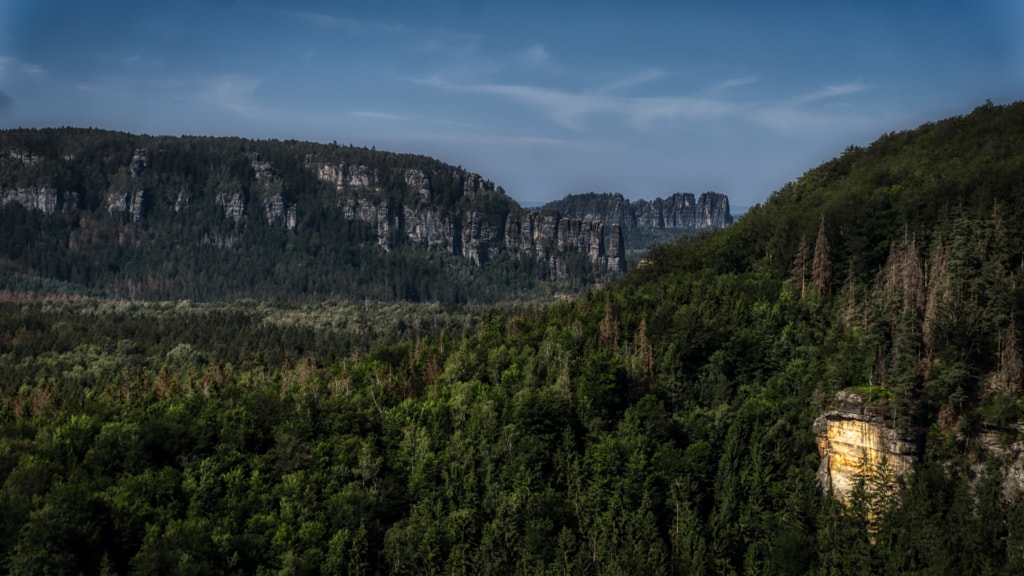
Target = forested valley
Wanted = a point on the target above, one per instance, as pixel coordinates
(662, 424)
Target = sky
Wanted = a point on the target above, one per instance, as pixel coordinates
(544, 98)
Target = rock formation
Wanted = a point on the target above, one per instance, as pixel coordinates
(419, 181)
(1009, 456)
(140, 160)
(677, 212)
(280, 213)
(132, 203)
(263, 169)
(23, 156)
(854, 441)
(367, 211)
(431, 204)
(233, 206)
(345, 176)
(43, 199)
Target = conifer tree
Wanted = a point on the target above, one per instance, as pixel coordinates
(609, 330)
(821, 266)
(800, 267)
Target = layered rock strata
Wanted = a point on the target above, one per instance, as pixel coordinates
(855, 442)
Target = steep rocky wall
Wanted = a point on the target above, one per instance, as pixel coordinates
(43, 199)
(681, 212)
(548, 238)
(854, 441)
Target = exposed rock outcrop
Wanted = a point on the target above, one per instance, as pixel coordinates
(1009, 456)
(419, 181)
(132, 203)
(25, 157)
(183, 200)
(233, 206)
(427, 227)
(43, 199)
(616, 250)
(367, 211)
(677, 212)
(854, 441)
(344, 175)
(280, 213)
(262, 168)
(140, 161)
(473, 184)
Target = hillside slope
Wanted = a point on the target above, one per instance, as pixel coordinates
(217, 218)
(662, 425)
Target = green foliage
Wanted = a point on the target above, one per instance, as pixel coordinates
(663, 425)
(196, 221)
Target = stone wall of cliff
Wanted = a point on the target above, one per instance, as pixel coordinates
(443, 208)
(681, 212)
(854, 442)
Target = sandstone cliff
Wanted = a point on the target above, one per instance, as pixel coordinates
(855, 441)
(227, 192)
(43, 199)
(680, 212)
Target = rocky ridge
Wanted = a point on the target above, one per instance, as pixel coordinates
(680, 211)
(417, 200)
(473, 234)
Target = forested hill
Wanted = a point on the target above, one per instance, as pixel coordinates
(145, 217)
(666, 424)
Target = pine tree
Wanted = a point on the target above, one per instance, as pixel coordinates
(1010, 366)
(938, 290)
(609, 330)
(821, 266)
(642, 359)
(800, 267)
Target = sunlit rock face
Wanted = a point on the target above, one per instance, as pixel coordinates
(855, 442)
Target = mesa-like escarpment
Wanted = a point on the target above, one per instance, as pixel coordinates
(171, 217)
(680, 211)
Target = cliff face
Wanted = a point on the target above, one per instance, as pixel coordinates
(475, 234)
(854, 441)
(43, 199)
(549, 239)
(680, 212)
(225, 192)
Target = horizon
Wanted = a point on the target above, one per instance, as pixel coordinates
(736, 98)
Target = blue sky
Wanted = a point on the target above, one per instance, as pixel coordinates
(641, 98)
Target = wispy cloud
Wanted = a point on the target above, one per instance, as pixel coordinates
(504, 140)
(631, 80)
(11, 66)
(234, 93)
(377, 115)
(570, 110)
(573, 109)
(347, 25)
(536, 55)
(731, 83)
(830, 92)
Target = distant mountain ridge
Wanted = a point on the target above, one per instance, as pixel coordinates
(679, 211)
(647, 223)
(212, 218)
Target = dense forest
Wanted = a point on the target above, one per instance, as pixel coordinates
(663, 424)
(110, 214)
